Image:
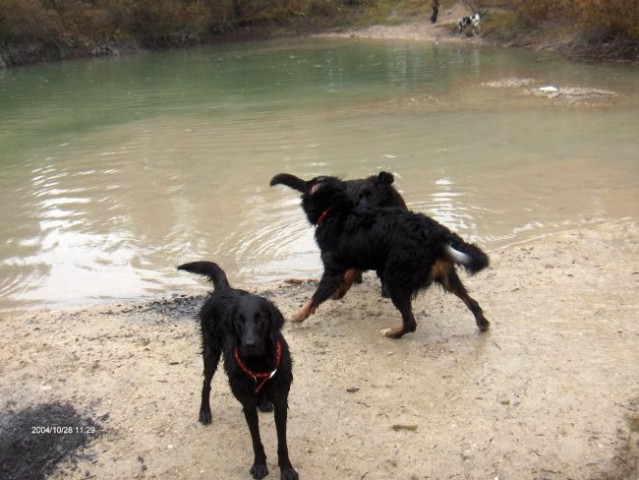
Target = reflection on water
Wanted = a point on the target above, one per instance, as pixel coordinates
(115, 171)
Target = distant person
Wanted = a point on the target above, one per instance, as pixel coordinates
(436, 4)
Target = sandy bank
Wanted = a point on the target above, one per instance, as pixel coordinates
(550, 392)
(444, 30)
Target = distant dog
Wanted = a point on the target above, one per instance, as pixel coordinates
(410, 249)
(370, 192)
(473, 22)
(246, 329)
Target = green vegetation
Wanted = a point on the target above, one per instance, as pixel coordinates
(77, 23)
(35, 30)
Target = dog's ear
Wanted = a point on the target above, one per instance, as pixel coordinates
(290, 181)
(230, 325)
(277, 321)
(385, 178)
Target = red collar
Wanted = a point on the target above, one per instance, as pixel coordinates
(265, 376)
(323, 215)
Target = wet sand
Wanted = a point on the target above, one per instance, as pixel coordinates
(551, 391)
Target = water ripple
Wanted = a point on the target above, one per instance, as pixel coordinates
(115, 172)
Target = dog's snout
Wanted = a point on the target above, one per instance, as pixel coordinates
(250, 344)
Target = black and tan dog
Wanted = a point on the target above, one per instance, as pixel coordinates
(245, 328)
(410, 249)
(371, 192)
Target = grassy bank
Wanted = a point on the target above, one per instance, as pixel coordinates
(44, 30)
(591, 29)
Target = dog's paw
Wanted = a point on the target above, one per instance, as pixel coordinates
(299, 318)
(259, 471)
(395, 333)
(205, 417)
(289, 474)
(305, 312)
(483, 325)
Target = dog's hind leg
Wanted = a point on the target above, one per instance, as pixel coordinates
(287, 472)
(384, 292)
(259, 469)
(452, 283)
(211, 359)
(402, 301)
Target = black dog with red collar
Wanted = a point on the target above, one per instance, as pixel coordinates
(246, 329)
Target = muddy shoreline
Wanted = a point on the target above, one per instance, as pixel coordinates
(550, 392)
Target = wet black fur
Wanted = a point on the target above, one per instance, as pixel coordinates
(403, 245)
(231, 317)
(370, 192)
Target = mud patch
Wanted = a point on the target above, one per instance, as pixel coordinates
(510, 82)
(567, 95)
(33, 441)
(573, 93)
(178, 306)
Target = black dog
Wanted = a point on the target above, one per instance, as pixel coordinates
(246, 329)
(371, 192)
(411, 249)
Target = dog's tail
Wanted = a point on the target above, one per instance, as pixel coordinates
(208, 269)
(290, 181)
(470, 256)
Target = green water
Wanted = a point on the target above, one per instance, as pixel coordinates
(113, 171)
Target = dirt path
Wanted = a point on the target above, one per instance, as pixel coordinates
(552, 391)
(444, 30)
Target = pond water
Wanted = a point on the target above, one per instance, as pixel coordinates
(114, 171)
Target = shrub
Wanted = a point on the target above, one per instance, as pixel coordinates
(24, 21)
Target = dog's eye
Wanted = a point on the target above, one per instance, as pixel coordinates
(239, 322)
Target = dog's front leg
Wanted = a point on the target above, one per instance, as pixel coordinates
(259, 469)
(305, 312)
(350, 277)
(329, 283)
(287, 472)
